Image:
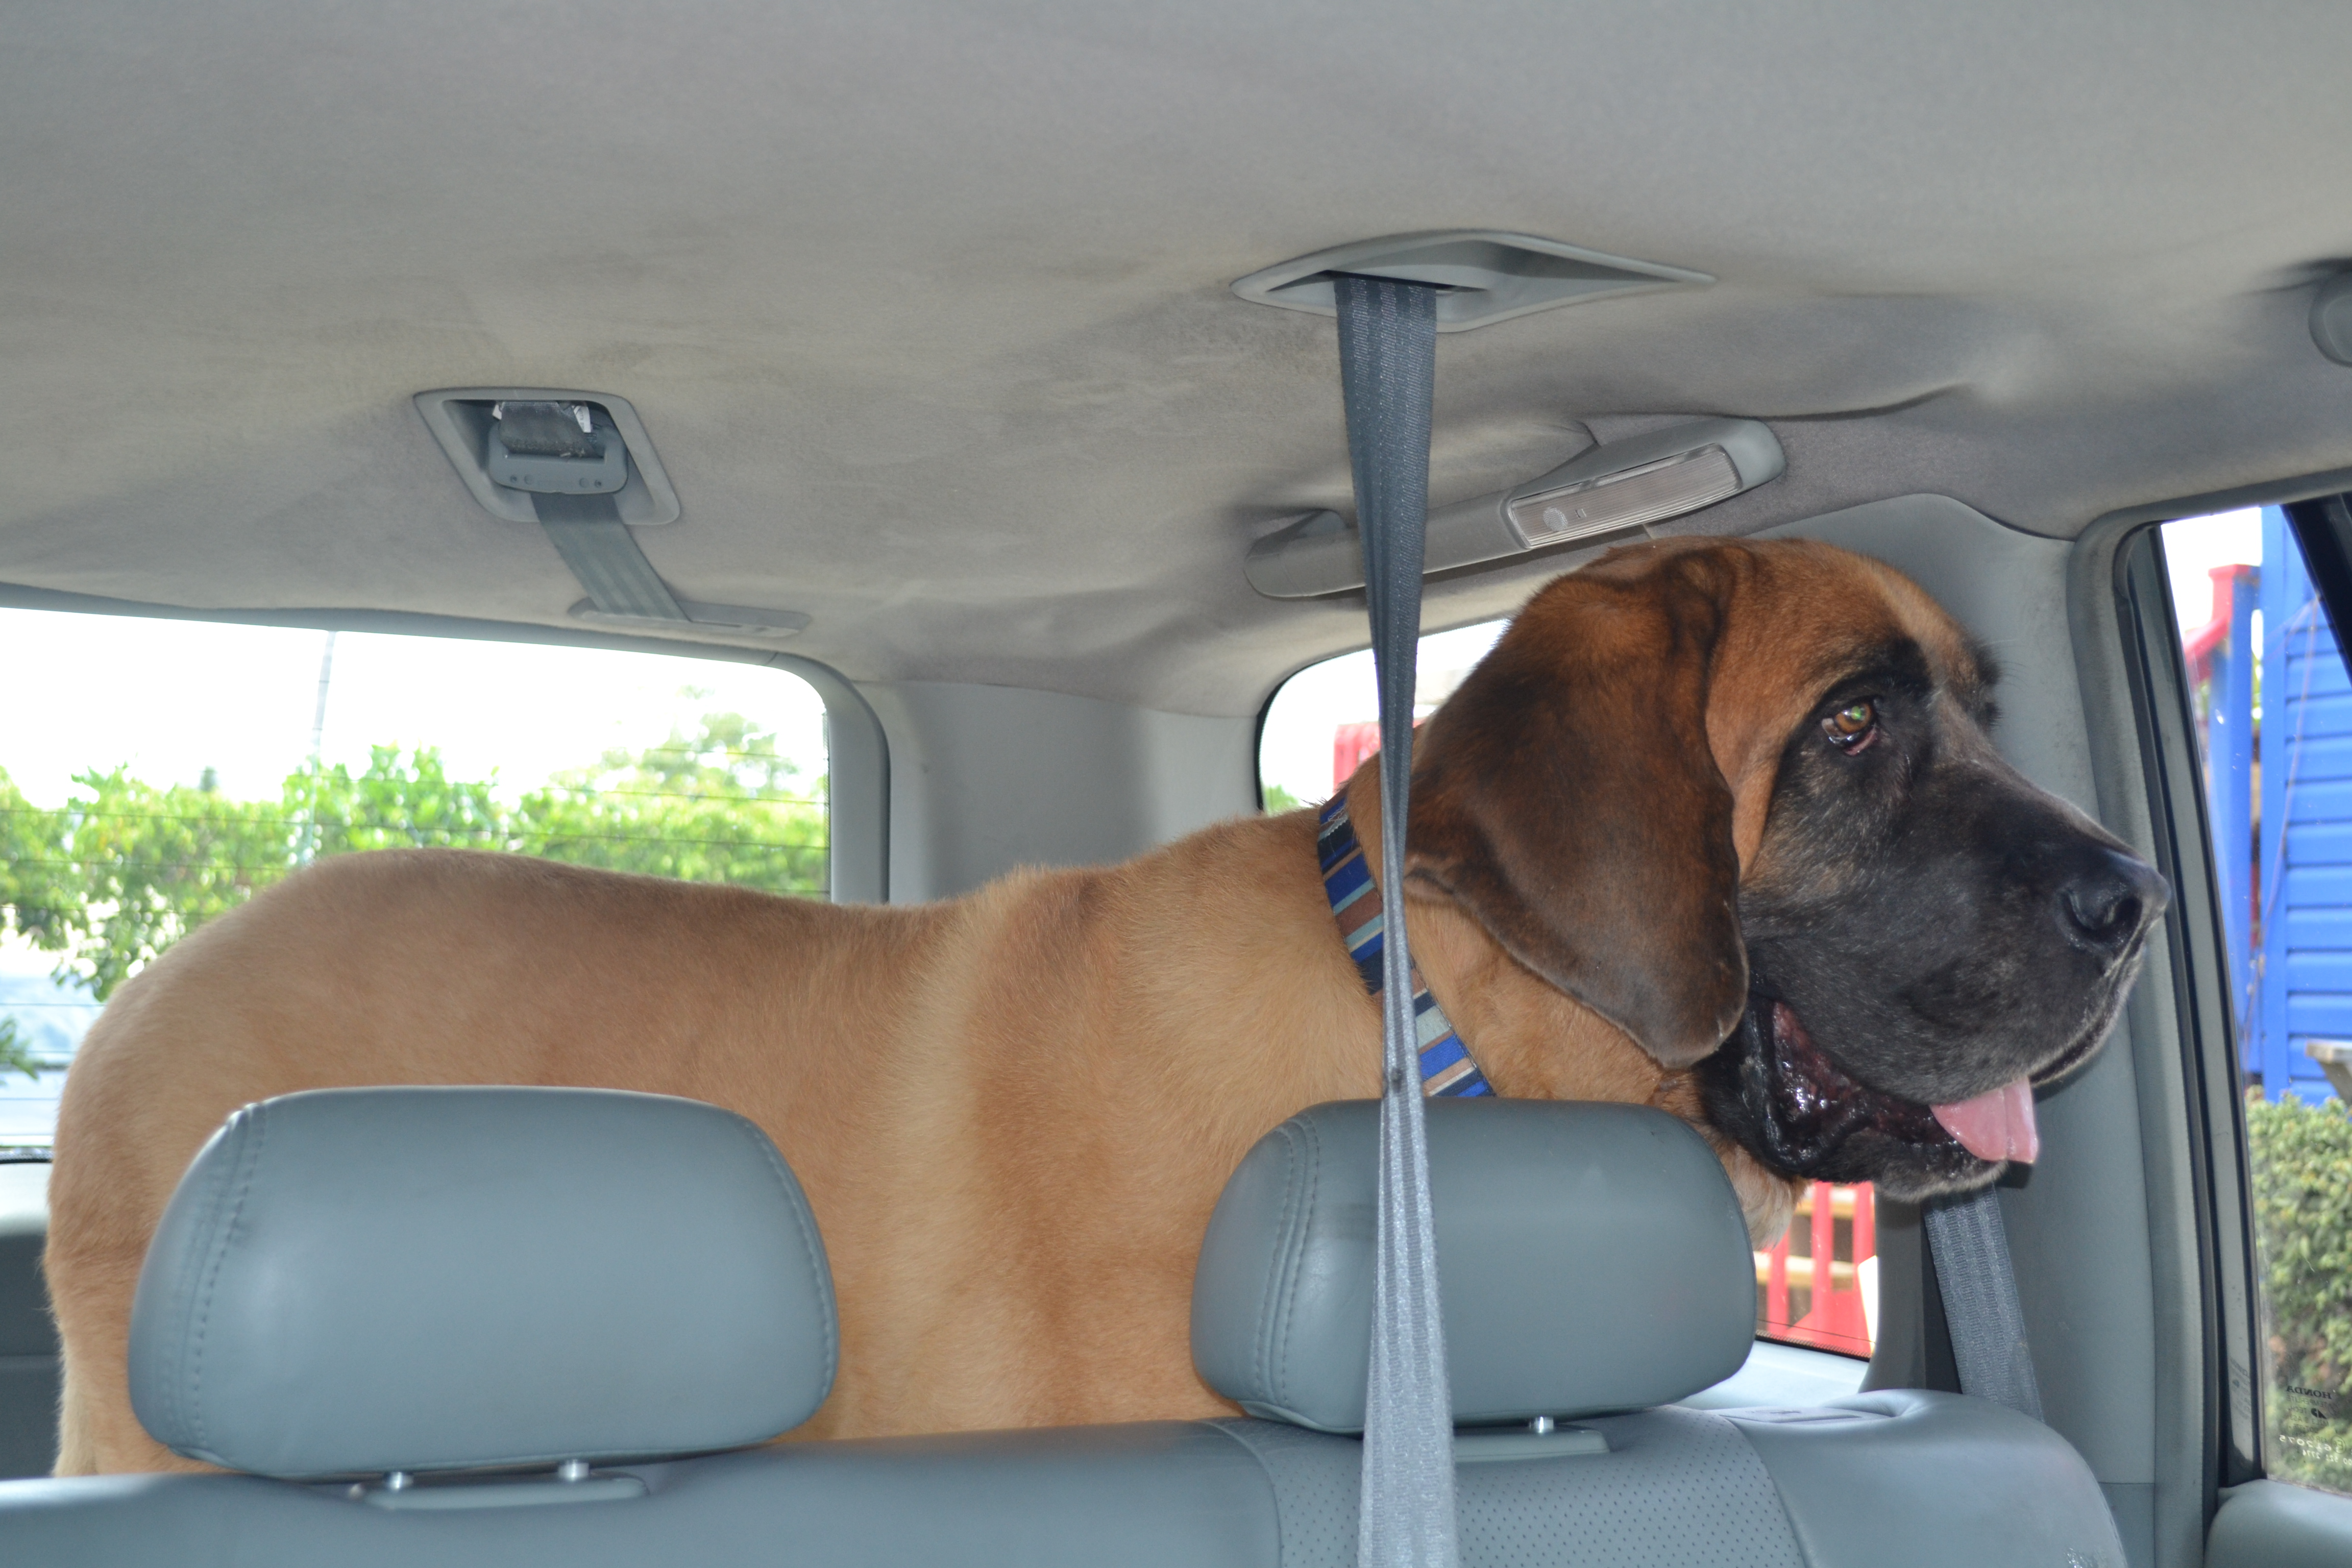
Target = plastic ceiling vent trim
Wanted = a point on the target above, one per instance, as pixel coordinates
(459, 418)
(1486, 275)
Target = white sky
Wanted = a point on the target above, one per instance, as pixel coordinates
(173, 698)
(1296, 749)
(2195, 545)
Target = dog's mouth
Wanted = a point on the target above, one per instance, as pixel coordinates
(1802, 1115)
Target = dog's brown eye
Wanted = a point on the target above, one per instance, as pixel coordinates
(1853, 725)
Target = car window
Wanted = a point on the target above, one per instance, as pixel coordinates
(154, 775)
(1324, 721)
(2273, 713)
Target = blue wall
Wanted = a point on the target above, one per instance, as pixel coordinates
(2300, 989)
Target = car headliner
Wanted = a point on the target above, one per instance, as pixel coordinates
(926, 306)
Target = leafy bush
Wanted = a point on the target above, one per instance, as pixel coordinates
(125, 868)
(2302, 1217)
(16, 1056)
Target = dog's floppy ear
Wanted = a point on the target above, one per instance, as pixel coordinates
(1566, 796)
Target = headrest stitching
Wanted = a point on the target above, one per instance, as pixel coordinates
(1297, 1248)
(811, 1250)
(257, 1118)
(1268, 1332)
(179, 1308)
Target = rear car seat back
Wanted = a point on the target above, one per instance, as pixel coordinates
(465, 1283)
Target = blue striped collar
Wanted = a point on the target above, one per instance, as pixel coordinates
(1446, 1067)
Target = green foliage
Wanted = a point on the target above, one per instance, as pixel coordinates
(403, 801)
(2302, 1157)
(16, 1056)
(1280, 799)
(125, 869)
(688, 809)
(129, 868)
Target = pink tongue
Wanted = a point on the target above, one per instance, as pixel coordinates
(1996, 1125)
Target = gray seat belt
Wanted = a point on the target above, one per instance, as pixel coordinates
(588, 532)
(1388, 362)
(1388, 372)
(554, 453)
(1971, 1246)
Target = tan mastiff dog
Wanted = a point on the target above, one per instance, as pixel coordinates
(1715, 827)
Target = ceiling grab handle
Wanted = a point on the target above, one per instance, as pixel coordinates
(1388, 372)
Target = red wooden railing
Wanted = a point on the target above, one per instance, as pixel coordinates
(1815, 1297)
(1350, 744)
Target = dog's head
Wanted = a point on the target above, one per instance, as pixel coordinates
(1739, 799)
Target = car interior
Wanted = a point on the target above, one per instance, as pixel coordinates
(975, 367)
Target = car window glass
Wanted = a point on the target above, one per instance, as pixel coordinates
(1325, 720)
(154, 775)
(1321, 724)
(2273, 713)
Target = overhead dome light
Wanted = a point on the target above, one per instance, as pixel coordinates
(1616, 489)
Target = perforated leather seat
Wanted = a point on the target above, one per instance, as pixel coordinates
(453, 1283)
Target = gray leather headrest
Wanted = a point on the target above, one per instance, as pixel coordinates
(1590, 1258)
(370, 1279)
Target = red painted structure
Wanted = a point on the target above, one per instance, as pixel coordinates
(1350, 744)
(1831, 1286)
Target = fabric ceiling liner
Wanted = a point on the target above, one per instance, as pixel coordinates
(927, 309)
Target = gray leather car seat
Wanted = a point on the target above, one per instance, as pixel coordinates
(1596, 1268)
(28, 1350)
(467, 1286)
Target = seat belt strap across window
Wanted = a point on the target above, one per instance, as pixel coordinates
(1971, 1246)
(1388, 372)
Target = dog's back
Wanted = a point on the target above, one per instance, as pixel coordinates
(958, 1085)
(433, 967)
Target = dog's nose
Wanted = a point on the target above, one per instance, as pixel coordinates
(2113, 899)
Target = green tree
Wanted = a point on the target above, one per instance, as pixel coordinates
(16, 1056)
(125, 869)
(1280, 799)
(718, 806)
(37, 887)
(403, 800)
(28, 892)
(2302, 1160)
